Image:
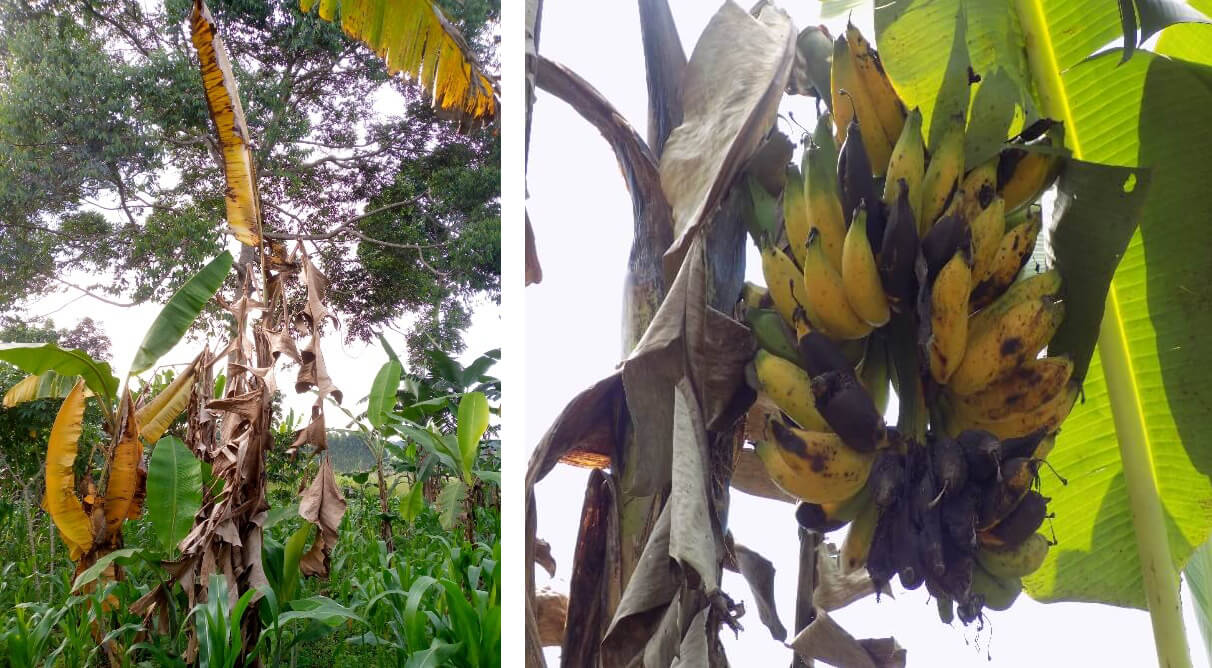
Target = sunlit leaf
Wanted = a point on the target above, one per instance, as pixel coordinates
(473, 422)
(155, 416)
(180, 312)
(38, 358)
(415, 38)
(48, 385)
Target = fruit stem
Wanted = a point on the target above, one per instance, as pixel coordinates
(1158, 573)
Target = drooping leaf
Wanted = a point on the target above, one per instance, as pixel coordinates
(47, 385)
(321, 504)
(61, 500)
(223, 101)
(180, 312)
(291, 554)
(38, 358)
(473, 421)
(321, 609)
(450, 502)
(415, 38)
(123, 486)
(174, 484)
(155, 416)
(383, 394)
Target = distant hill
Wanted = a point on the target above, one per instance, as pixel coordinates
(349, 452)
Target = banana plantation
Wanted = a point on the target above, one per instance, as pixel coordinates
(904, 290)
(275, 186)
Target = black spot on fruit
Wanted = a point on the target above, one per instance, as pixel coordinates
(1011, 346)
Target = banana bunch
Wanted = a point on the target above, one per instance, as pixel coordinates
(877, 233)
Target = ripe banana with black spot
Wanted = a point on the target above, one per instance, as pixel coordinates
(784, 280)
(852, 101)
(988, 228)
(813, 466)
(1002, 337)
(825, 300)
(908, 162)
(1047, 416)
(941, 180)
(821, 191)
(790, 388)
(949, 316)
(1026, 388)
(1013, 252)
(887, 104)
(860, 276)
(1024, 175)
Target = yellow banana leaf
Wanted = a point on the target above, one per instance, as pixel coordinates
(61, 500)
(49, 385)
(223, 100)
(123, 485)
(414, 37)
(155, 416)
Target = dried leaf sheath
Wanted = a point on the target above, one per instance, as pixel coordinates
(223, 101)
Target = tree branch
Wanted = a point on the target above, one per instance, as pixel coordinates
(90, 293)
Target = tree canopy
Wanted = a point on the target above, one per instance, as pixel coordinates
(110, 181)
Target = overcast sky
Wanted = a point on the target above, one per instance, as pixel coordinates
(582, 219)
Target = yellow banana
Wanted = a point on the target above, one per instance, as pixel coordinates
(821, 191)
(850, 100)
(887, 104)
(908, 162)
(1015, 247)
(949, 316)
(857, 543)
(942, 175)
(795, 214)
(790, 388)
(1026, 388)
(1036, 285)
(860, 276)
(784, 281)
(1047, 416)
(813, 466)
(1031, 174)
(988, 228)
(1015, 562)
(976, 191)
(1001, 340)
(845, 511)
(825, 300)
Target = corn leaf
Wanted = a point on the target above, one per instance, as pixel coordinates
(180, 312)
(61, 500)
(38, 358)
(123, 485)
(223, 101)
(48, 385)
(414, 38)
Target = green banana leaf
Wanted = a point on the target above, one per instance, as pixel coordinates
(38, 358)
(449, 502)
(174, 491)
(1149, 112)
(180, 312)
(1199, 582)
(382, 397)
(473, 422)
(93, 572)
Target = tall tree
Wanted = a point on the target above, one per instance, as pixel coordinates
(110, 181)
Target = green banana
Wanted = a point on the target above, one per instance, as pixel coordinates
(1015, 562)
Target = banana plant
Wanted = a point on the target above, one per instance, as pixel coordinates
(90, 512)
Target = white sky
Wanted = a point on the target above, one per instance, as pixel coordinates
(582, 219)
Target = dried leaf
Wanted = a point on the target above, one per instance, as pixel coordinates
(534, 271)
(596, 581)
(759, 573)
(552, 609)
(825, 640)
(123, 484)
(723, 125)
(314, 433)
(321, 504)
(155, 416)
(542, 556)
(835, 589)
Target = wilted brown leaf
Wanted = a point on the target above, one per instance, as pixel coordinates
(321, 504)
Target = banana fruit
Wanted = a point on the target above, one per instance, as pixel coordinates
(914, 283)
